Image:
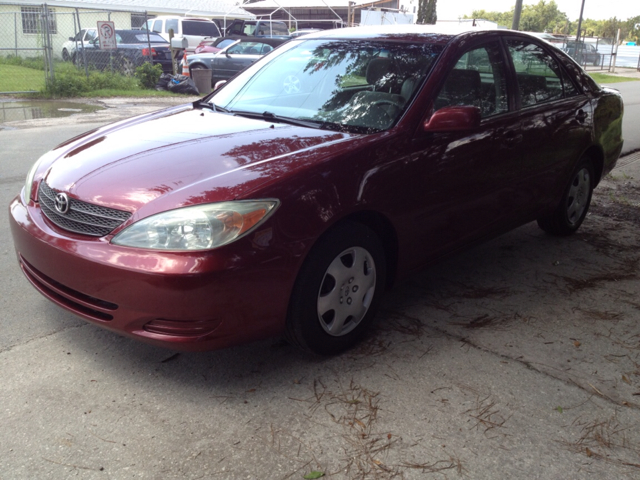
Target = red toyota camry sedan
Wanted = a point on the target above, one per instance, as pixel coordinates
(290, 198)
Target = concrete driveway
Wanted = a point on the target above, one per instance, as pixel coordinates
(517, 359)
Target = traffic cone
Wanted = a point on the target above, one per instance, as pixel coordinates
(185, 65)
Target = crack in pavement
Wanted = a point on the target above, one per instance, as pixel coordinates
(529, 365)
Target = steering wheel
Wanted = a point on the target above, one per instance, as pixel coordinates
(384, 102)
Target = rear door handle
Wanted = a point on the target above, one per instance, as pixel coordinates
(510, 138)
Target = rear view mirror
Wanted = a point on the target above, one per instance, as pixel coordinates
(451, 119)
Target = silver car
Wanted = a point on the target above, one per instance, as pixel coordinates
(233, 58)
(82, 39)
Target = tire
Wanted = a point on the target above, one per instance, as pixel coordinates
(65, 55)
(573, 208)
(338, 290)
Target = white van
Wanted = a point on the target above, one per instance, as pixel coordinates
(194, 29)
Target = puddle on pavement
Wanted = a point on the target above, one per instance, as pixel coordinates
(11, 111)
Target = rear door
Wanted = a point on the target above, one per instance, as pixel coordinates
(554, 118)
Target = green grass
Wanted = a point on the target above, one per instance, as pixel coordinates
(15, 78)
(604, 78)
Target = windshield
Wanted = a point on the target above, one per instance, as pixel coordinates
(357, 85)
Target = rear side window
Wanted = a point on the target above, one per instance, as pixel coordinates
(540, 78)
(172, 24)
(202, 29)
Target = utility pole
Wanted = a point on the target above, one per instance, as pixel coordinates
(580, 23)
(516, 15)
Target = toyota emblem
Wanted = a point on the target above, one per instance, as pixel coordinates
(61, 202)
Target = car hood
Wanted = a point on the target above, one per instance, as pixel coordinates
(179, 157)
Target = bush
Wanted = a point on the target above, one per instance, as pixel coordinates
(71, 82)
(148, 75)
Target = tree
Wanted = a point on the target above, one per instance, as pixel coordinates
(427, 12)
(503, 19)
(542, 17)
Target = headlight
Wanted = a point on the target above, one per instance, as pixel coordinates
(28, 183)
(197, 228)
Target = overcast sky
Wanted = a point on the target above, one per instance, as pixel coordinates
(594, 9)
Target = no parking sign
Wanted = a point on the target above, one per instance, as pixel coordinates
(107, 35)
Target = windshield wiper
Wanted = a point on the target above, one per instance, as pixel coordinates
(272, 117)
(210, 106)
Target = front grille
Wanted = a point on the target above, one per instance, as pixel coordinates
(84, 218)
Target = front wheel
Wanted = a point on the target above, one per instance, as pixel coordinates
(573, 208)
(337, 291)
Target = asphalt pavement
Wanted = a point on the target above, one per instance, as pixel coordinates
(518, 359)
(631, 122)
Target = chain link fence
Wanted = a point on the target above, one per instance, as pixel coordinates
(36, 39)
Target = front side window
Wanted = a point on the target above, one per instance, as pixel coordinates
(363, 85)
(250, 48)
(478, 79)
(540, 78)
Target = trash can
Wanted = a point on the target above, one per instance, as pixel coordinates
(202, 79)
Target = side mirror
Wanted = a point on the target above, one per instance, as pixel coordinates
(453, 119)
(218, 84)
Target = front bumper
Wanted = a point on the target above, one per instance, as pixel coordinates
(185, 301)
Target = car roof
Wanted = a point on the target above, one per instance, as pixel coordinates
(130, 34)
(273, 41)
(406, 32)
(198, 19)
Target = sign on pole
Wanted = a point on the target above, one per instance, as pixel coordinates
(107, 35)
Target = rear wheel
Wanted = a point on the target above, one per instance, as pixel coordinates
(337, 291)
(573, 208)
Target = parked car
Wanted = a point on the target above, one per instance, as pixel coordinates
(134, 47)
(214, 45)
(583, 53)
(289, 199)
(81, 39)
(234, 57)
(194, 29)
(258, 28)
